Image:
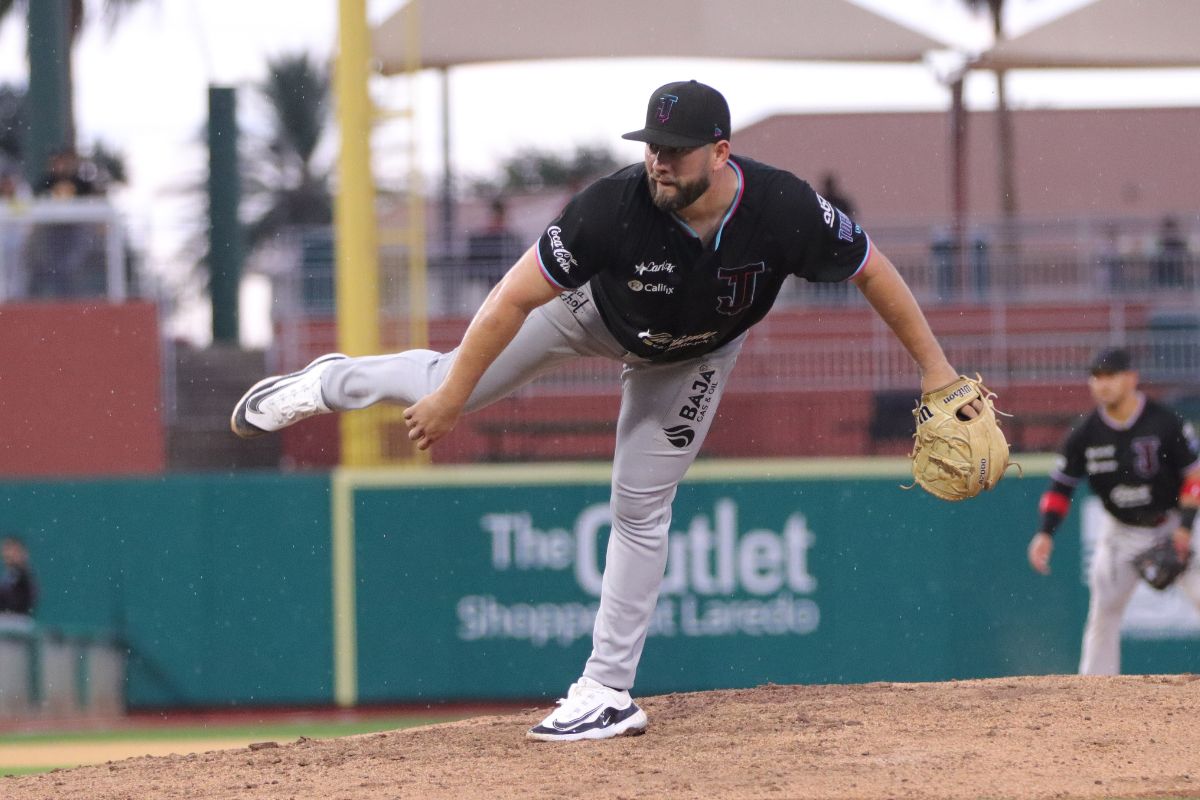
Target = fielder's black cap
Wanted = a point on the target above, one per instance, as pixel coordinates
(684, 114)
(1110, 360)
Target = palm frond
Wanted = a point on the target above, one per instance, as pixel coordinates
(7, 6)
(298, 93)
(281, 186)
(12, 121)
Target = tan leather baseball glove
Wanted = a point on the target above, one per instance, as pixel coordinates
(955, 457)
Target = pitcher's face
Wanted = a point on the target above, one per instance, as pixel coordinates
(677, 176)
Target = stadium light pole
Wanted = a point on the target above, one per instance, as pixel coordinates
(224, 228)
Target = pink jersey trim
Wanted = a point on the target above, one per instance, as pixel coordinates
(546, 273)
(866, 257)
(737, 200)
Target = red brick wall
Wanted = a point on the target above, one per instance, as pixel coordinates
(80, 390)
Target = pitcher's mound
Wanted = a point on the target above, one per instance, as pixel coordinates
(1037, 737)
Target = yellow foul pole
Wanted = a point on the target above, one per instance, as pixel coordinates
(357, 261)
(354, 221)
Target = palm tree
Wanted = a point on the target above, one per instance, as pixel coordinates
(284, 188)
(281, 187)
(531, 169)
(77, 16)
(12, 122)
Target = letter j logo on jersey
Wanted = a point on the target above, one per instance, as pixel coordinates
(665, 104)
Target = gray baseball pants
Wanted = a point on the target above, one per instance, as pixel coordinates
(1112, 580)
(647, 467)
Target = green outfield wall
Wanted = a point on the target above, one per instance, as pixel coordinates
(481, 583)
(219, 585)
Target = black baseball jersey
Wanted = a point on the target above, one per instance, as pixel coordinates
(667, 295)
(1135, 468)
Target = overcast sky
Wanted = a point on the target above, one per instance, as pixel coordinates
(141, 89)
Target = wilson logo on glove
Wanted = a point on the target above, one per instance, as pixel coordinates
(956, 456)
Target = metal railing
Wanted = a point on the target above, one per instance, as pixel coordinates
(50, 672)
(58, 249)
(1031, 312)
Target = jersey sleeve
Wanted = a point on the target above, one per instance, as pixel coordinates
(1182, 447)
(573, 248)
(1071, 464)
(833, 247)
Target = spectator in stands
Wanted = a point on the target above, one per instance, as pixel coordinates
(831, 190)
(18, 589)
(1172, 261)
(1110, 260)
(69, 176)
(67, 259)
(12, 236)
(981, 272)
(490, 252)
(10, 188)
(943, 254)
(493, 249)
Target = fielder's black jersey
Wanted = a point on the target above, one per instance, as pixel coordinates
(667, 295)
(1136, 467)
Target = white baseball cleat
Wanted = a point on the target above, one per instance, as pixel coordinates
(282, 400)
(591, 711)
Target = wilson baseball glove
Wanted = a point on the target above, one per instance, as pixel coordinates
(1160, 564)
(955, 457)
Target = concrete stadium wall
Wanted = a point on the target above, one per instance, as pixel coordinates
(478, 582)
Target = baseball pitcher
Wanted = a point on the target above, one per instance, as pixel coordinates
(662, 266)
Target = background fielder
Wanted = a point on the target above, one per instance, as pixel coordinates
(662, 266)
(1139, 458)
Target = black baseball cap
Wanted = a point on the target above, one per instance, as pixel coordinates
(684, 114)
(1110, 360)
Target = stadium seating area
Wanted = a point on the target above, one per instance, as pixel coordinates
(827, 381)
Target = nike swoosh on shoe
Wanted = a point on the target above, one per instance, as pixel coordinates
(260, 394)
(564, 726)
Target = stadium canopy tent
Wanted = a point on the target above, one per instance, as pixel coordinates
(1104, 34)
(1108, 34)
(457, 32)
(453, 33)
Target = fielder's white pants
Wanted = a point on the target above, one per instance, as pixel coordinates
(647, 467)
(1112, 580)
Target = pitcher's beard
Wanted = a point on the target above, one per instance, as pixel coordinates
(685, 193)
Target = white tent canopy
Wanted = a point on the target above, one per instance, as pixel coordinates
(1107, 34)
(449, 33)
(452, 33)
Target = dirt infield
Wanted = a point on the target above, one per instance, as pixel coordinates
(1038, 737)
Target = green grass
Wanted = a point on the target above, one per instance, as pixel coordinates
(266, 731)
(12, 772)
